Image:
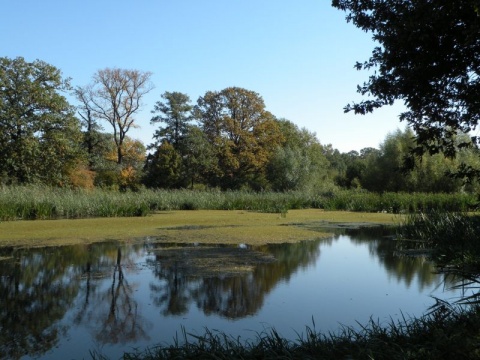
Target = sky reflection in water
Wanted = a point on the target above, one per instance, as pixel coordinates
(61, 303)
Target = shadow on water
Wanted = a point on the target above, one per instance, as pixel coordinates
(96, 290)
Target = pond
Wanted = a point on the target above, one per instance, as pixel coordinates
(64, 302)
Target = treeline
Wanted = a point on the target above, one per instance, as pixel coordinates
(226, 140)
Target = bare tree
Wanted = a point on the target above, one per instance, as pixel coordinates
(115, 96)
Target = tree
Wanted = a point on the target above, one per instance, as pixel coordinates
(175, 113)
(243, 133)
(384, 169)
(198, 157)
(115, 96)
(428, 57)
(38, 131)
(299, 162)
(93, 139)
(163, 168)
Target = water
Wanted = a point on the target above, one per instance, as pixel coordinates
(62, 303)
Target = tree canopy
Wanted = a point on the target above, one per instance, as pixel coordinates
(115, 96)
(243, 131)
(228, 140)
(176, 114)
(428, 56)
(38, 131)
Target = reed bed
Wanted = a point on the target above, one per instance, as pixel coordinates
(39, 202)
(446, 332)
(452, 238)
(396, 203)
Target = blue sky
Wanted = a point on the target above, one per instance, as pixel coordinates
(298, 55)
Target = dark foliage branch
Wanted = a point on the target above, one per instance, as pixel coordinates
(428, 56)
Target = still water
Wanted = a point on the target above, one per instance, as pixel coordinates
(62, 303)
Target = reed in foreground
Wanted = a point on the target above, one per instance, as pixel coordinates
(451, 237)
(444, 333)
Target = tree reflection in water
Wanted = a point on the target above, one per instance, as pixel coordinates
(36, 290)
(39, 286)
(96, 286)
(111, 311)
(404, 269)
(231, 295)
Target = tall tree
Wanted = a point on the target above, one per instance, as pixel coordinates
(115, 96)
(244, 134)
(428, 57)
(176, 114)
(38, 130)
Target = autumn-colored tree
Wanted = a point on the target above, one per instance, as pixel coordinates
(128, 175)
(115, 97)
(243, 133)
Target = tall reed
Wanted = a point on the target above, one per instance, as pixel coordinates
(40, 202)
(452, 236)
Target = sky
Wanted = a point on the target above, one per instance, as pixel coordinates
(298, 55)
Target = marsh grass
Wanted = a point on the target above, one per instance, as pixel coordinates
(39, 202)
(446, 332)
(396, 203)
(452, 237)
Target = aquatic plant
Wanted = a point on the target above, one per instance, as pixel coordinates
(446, 332)
(452, 237)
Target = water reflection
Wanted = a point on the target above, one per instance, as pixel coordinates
(230, 295)
(36, 289)
(404, 269)
(122, 295)
(109, 308)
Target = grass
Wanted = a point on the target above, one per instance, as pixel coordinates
(444, 333)
(41, 203)
(211, 226)
(452, 237)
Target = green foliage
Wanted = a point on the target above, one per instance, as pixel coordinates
(163, 168)
(427, 57)
(199, 161)
(39, 137)
(176, 114)
(299, 162)
(385, 169)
